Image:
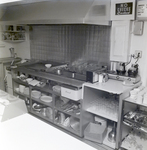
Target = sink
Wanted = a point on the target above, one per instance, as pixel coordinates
(9, 59)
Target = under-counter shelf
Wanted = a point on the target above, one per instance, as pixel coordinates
(68, 108)
(105, 114)
(68, 113)
(24, 95)
(69, 128)
(137, 120)
(46, 88)
(20, 82)
(135, 141)
(42, 102)
(131, 100)
(38, 114)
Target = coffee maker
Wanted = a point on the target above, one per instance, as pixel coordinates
(133, 71)
(120, 68)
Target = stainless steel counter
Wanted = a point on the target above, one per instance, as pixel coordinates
(50, 76)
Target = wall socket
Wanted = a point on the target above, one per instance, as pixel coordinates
(138, 53)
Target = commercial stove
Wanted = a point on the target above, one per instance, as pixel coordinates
(121, 77)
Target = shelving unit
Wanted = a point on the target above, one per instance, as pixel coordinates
(47, 90)
(135, 131)
(105, 100)
(13, 33)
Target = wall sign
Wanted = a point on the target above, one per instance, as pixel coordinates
(142, 9)
(124, 8)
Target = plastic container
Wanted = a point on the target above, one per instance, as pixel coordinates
(95, 132)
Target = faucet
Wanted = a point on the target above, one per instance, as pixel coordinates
(12, 62)
(12, 51)
(15, 55)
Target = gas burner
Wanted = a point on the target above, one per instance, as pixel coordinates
(120, 72)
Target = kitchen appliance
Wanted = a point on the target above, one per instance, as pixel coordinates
(92, 77)
(133, 71)
(122, 77)
(120, 68)
(60, 12)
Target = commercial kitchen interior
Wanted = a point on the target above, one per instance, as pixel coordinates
(77, 39)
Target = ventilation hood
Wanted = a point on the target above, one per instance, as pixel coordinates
(59, 12)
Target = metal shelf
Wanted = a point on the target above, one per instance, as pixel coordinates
(71, 114)
(27, 96)
(96, 111)
(50, 104)
(69, 128)
(46, 88)
(20, 82)
(41, 116)
(137, 142)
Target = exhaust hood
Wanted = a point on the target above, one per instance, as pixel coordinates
(59, 12)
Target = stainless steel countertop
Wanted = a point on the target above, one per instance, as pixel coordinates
(49, 76)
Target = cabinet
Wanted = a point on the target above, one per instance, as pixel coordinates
(48, 104)
(13, 33)
(105, 100)
(134, 125)
(120, 41)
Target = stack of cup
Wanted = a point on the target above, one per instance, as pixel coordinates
(145, 98)
(139, 99)
(21, 88)
(133, 95)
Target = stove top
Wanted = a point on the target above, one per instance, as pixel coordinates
(123, 76)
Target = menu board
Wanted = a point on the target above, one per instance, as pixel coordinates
(124, 8)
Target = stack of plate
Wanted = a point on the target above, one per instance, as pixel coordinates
(36, 94)
(46, 99)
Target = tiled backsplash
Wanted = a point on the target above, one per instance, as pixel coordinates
(68, 43)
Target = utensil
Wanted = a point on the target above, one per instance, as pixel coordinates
(112, 134)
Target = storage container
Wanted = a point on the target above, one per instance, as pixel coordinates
(74, 94)
(95, 132)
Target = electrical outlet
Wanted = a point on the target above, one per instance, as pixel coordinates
(138, 53)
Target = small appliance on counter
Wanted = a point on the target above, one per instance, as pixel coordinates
(133, 71)
(121, 68)
(93, 76)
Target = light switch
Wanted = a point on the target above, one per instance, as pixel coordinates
(138, 28)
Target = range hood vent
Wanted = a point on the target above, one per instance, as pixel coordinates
(60, 12)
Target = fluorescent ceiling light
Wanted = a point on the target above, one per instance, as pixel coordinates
(8, 1)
